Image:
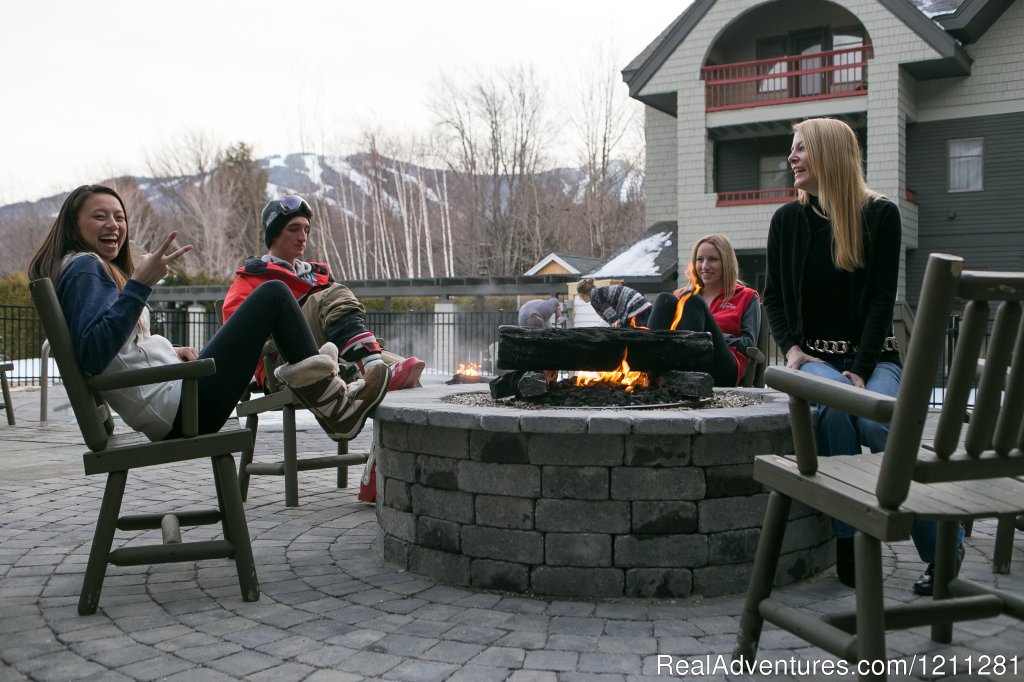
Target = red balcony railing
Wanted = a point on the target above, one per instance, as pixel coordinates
(797, 78)
(756, 196)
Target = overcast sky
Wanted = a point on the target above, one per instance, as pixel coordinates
(93, 89)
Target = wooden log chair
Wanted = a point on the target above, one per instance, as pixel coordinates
(116, 454)
(948, 480)
(757, 355)
(275, 398)
(280, 398)
(272, 397)
(6, 388)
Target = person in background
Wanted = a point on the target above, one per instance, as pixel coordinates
(719, 303)
(833, 263)
(617, 304)
(103, 295)
(331, 309)
(538, 313)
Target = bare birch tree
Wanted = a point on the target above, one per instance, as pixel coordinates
(213, 197)
(492, 134)
(602, 118)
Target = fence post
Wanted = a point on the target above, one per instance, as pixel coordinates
(44, 384)
(444, 337)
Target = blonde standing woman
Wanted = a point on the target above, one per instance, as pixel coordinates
(832, 268)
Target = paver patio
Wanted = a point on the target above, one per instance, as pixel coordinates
(330, 609)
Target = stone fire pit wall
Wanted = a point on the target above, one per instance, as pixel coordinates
(601, 503)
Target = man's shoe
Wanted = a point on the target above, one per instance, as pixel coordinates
(406, 373)
(845, 563)
(925, 585)
(341, 410)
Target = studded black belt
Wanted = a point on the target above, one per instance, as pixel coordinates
(845, 347)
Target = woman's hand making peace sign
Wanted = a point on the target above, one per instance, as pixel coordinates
(152, 267)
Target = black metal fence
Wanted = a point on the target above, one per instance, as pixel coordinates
(444, 340)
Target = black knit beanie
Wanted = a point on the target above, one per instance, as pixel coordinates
(278, 212)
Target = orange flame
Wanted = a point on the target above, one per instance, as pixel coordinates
(623, 375)
(684, 294)
(634, 325)
(470, 370)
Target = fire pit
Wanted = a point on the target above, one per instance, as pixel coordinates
(583, 502)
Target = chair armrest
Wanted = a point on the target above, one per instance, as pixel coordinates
(856, 401)
(754, 354)
(152, 375)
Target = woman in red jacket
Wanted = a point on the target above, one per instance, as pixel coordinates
(718, 302)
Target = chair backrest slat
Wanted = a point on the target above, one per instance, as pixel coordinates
(754, 374)
(923, 357)
(962, 373)
(91, 412)
(988, 399)
(1010, 426)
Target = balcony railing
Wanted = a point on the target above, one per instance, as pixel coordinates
(756, 196)
(781, 80)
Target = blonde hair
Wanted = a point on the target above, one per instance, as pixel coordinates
(833, 154)
(585, 286)
(730, 264)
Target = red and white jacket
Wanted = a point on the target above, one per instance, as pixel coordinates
(255, 271)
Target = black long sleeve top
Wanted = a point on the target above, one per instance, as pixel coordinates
(872, 288)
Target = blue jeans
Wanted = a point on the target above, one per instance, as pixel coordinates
(840, 433)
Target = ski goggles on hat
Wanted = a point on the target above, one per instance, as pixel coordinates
(285, 207)
(292, 203)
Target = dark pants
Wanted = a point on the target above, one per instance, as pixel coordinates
(270, 310)
(697, 317)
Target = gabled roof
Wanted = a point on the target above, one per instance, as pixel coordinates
(576, 265)
(652, 257)
(971, 18)
(954, 21)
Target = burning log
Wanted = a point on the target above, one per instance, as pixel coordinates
(603, 349)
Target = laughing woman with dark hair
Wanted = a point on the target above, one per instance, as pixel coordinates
(103, 294)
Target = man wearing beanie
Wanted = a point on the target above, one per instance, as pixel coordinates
(332, 310)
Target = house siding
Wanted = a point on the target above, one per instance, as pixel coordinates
(995, 85)
(695, 202)
(986, 227)
(660, 181)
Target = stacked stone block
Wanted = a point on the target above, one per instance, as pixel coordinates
(559, 502)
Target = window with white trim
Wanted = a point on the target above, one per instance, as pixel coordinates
(849, 78)
(966, 163)
(773, 172)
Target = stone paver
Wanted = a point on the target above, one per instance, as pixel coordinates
(331, 610)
